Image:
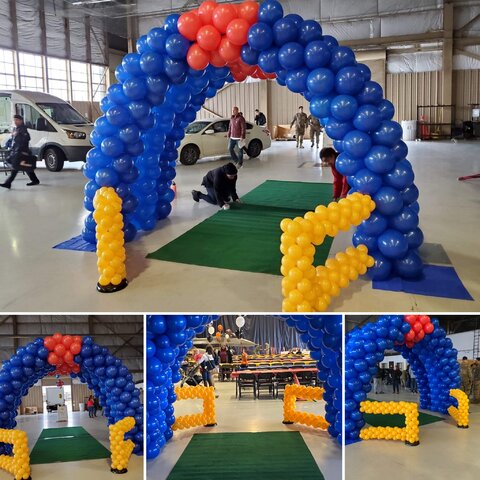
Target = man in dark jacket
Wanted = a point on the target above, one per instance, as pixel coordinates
(220, 185)
(20, 156)
(236, 134)
(260, 118)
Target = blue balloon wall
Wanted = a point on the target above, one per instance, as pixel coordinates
(104, 374)
(158, 95)
(169, 337)
(433, 360)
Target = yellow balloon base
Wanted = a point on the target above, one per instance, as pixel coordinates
(119, 472)
(111, 288)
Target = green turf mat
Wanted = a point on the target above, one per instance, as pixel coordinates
(247, 237)
(68, 444)
(265, 456)
(396, 420)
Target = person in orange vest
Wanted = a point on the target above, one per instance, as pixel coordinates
(244, 363)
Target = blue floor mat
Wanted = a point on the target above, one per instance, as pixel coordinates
(78, 244)
(437, 281)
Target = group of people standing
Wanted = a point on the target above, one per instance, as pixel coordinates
(301, 121)
(93, 405)
(396, 377)
(470, 378)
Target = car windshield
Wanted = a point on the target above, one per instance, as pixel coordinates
(196, 127)
(63, 114)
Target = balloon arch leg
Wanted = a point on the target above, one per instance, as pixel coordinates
(179, 66)
(79, 357)
(169, 337)
(422, 342)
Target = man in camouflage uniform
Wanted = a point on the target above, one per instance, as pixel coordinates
(315, 129)
(476, 381)
(466, 375)
(300, 121)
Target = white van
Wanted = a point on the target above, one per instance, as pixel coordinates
(58, 132)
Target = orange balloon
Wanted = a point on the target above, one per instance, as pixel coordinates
(237, 31)
(220, 328)
(216, 59)
(197, 57)
(189, 24)
(208, 38)
(249, 11)
(222, 16)
(228, 51)
(205, 12)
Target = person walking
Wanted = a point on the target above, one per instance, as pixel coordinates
(396, 376)
(466, 376)
(20, 156)
(403, 379)
(413, 382)
(221, 186)
(90, 406)
(300, 120)
(476, 381)
(207, 364)
(315, 129)
(236, 134)
(377, 381)
(260, 118)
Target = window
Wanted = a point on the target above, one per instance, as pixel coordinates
(79, 81)
(57, 77)
(221, 127)
(63, 113)
(196, 127)
(29, 114)
(5, 114)
(99, 82)
(31, 72)
(7, 69)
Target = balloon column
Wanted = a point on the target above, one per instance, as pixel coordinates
(169, 337)
(121, 448)
(460, 410)
(178, 66)
(421, 341)
(78, 357)
(19, 463)
(290, 412)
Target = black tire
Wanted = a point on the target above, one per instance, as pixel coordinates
(255, 148)
(54, 159)
(189, 155)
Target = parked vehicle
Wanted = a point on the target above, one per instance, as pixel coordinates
(58, 132)
(207, 138)
(55, 398)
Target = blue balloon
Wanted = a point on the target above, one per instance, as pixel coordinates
(360, 238)
(297, 80)
(393, 244)
(409, 266)
(382, 267)
(375, 224)
(388, 134)
(337, 130)
(112, 147)
(171, 23)
(379, 159)
(400, 150)
(388, 201)
(260, 36)
(405, 221)
(320, 105)
(401, 176)
(372, 93)
(414, 238)
(156, 39)
(409, 194)
(177, 46)
(349, 81)
(151, 63)
(270, 11)
(131, 64)
(343, 107)
(316, 54)
(321, 82)
(387, 110)
(367, 118)
(118, 116)
(341, 57)
(348, 165)
(366, 72)
(249, 55)
(367, 182)
(268, 60)
(356, 143)
(309, 31)
(290, 56)
(285, 30)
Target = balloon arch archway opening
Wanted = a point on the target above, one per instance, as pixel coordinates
(421, 341)
(179, 66)
(79, 357)
(169, 337)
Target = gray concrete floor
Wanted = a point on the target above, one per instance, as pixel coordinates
(34, 277)
(249, 415)
(445, 451)
(86, 469)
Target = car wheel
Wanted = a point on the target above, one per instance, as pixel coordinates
(255, 148)
(189, 155)
(54, 159)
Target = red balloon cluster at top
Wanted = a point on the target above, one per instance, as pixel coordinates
(219, 31)
(420, 326)
(63, 349)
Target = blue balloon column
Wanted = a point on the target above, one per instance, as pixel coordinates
(433, 360)
(104, 374)
(169, 337)
(158, 95)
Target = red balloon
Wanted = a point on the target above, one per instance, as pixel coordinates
(197, 57)
(410, 319)
(417, 327)
(216, 59)
(49, 343)
(76, 368)
(228, 51)
(67, 341)
(424, 319)
(249, 11)
(59, 350)
(52, 358)
(409, 344)
(222, 16)
(205, 12)
(237, 31)
(68, 357)
(409, 336)
(428, 328)
(189, 24)
(76, 348)
(77, 339)
(420, 336)
(208, 38)
(57, 337)
(270, 75)
(239, 76)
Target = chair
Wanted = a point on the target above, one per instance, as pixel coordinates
(245, 381)
(265, 380)
(306, 378)
(281, 380)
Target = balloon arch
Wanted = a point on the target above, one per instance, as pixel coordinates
(79, 357)
(180, 65)
(421, 341)
(169, 337)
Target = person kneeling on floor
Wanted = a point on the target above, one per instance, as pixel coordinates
(220, 184)
(328, 155)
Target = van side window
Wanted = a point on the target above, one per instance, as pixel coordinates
(29, 114)
(5, 114)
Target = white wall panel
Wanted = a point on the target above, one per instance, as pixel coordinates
(28, 24)
(6, 39)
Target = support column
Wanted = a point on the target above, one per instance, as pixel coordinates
(447, 85)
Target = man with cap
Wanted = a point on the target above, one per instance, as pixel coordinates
(20, 156)
(300, 120)
(220, 184)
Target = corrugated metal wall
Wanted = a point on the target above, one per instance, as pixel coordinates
(407, 90)
(34, 398)
(466, 84)
(284, 104)
(80, 392)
